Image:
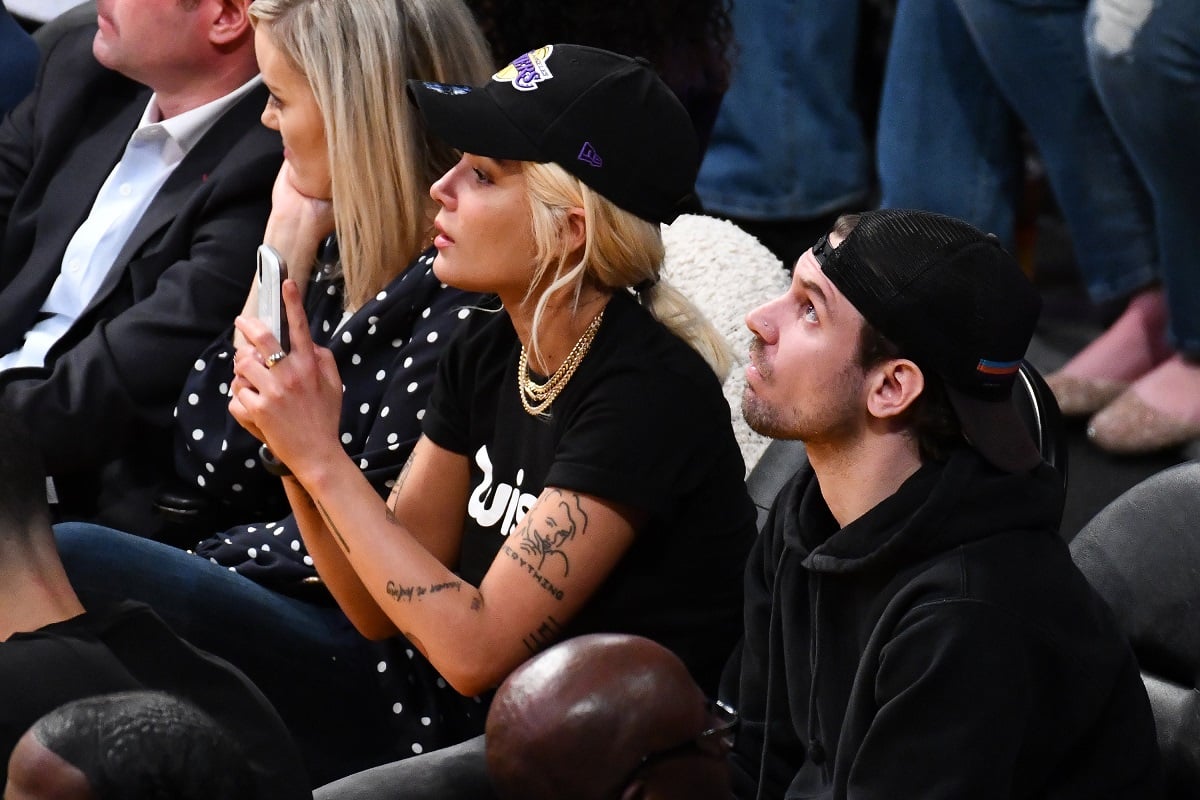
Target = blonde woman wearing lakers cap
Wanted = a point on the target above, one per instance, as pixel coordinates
(577, 470)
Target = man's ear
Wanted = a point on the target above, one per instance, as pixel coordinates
(892, 387)
(230, 21)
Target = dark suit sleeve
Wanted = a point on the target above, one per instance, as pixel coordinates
(126, 371)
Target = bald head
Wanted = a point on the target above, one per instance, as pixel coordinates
(128, 745)
(35, 772)
(577, 720)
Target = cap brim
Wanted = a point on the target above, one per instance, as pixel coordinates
(996, 430)
(470, 120)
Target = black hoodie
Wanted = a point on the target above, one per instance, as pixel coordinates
(943, 645)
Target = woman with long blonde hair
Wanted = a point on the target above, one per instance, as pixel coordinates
(577, 469)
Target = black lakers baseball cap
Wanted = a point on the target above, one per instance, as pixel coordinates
(606, 118)
(955, 302)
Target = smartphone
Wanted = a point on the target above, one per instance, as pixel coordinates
(272, 270)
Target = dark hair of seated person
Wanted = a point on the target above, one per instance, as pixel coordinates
(138, 745)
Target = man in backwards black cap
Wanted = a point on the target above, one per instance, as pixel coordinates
(915, 627)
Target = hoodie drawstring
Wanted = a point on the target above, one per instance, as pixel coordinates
(771, 643)
(816, 751)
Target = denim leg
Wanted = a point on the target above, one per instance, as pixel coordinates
(788, 141)
(309, 661)
(947, 141)
(1145, 60)
(1035, 52)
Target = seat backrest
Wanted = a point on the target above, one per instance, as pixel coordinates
(725, 272)
(1142, 555)
(1031, 396)
(1036, 404)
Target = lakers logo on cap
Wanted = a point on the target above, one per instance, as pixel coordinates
(527, 71)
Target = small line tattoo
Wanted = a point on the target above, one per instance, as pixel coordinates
(543, 637)
(403, 476)
(333, 528)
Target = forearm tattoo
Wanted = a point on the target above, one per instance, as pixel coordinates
(543, 637)
(390, 513)
(401, 593)
(403, 476)
(332, 528)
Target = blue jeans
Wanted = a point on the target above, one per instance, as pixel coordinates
(960, 75)
(310, 662)
(788, 141)
(1145, 60)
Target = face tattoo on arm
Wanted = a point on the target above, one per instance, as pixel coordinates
(549, 525)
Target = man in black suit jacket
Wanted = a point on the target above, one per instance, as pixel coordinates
(101, 406)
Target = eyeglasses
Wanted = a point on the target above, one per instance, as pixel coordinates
(715, 741)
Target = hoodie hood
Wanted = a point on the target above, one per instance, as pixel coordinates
(942, 505)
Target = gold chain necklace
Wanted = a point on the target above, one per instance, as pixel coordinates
(535, 397)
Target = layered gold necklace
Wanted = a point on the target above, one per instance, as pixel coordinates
(537, 397)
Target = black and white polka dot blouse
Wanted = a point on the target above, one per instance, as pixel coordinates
(386, 353)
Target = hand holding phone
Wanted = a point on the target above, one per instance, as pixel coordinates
(272, 270)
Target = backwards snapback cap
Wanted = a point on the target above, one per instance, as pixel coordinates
(607, 119)
(956, 303)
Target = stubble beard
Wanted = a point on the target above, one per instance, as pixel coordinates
(826, 420)
(764, 418)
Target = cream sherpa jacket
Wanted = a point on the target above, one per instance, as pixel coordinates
(726, 272)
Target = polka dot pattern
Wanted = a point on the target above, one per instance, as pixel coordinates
(386, 355)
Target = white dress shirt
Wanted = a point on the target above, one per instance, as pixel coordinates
(154, 150)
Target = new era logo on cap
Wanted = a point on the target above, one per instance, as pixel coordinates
(588, 155)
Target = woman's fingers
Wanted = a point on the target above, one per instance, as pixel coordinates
(297, 320)
(258, 337)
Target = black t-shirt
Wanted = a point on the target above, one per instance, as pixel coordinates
(643, 423)
(45, 669)
(127, 646)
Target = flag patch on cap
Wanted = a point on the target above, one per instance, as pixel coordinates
(997, 367)
(589, 155)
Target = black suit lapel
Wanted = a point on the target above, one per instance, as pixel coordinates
(185, 180)
(67, 201)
